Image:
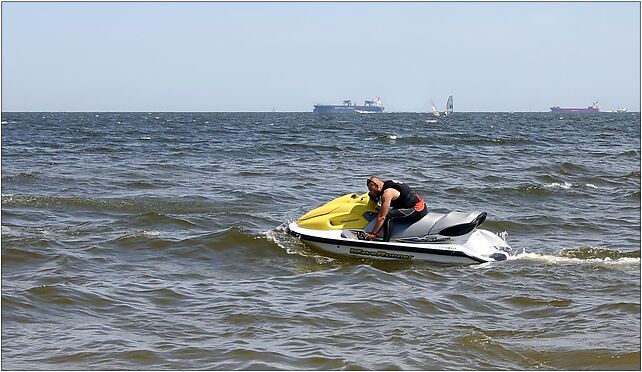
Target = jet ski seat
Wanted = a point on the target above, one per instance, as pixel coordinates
(459, 228)
(449, 224)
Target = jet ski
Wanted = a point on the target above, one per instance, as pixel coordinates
(339, 227)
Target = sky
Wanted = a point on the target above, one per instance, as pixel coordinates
(288, 56)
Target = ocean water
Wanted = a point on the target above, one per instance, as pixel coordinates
(157, 241)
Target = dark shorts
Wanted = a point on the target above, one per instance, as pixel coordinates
(406, 215)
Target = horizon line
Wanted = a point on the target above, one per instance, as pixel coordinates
(295, 112)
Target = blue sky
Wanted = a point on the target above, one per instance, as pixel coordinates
(236, 56)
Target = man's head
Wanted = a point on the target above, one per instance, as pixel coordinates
(375, 185)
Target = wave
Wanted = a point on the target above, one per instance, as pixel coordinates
(182, 205)
(141, 185)
(22, 178)
(211, 246)
(597, 252)
(254, 173)
(18, 256)
(567, 185)
(529, 301)
(541, 189)
(565, 168)
(617, 309)
(497, 140)
(474, 140)
(292, 245)
(101, 150)
(460, 165)
(31, 236)
(532, 189)
(310, 147)
(630, 153)
(570, 168)
(140, 234)
(456, 190)
(154, 218)
(494, 178)
(82, 298)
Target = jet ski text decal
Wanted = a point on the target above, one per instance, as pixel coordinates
(380, 254)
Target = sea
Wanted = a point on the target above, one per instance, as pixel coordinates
(157, 241)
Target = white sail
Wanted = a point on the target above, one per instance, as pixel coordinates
(449, 106)
(435, 112)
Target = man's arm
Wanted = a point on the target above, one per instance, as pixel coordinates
(383, 212)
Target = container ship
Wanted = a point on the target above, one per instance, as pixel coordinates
(590, 109)
(374, 106)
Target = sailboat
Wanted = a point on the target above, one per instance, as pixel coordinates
(449, 106)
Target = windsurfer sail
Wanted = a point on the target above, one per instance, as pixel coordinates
(435, 112)
(449, 106)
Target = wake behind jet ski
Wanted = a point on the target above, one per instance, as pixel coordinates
(340, 227)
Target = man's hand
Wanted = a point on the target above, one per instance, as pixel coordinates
(370, 236)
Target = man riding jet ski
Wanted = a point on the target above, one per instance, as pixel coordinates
(352, 225)
(398, 202)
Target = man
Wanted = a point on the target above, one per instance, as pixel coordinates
(398, 202)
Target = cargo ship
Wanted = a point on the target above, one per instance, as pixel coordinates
(374, 106)
(590, 109)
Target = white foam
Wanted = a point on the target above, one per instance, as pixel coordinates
(566, 185)
(291, 245)
(6, 230)
(141, 234)
(277, 239)
(503, 235)
(555, 260)
(558, 185)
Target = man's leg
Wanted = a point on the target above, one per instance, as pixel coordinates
(398, 214)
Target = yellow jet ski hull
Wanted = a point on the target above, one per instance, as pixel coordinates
(344, 212)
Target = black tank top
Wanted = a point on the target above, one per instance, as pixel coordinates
(407, 197)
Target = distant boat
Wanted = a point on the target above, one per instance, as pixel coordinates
(449, 106)
(375, 105)
(591, 109)
(621, 109)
